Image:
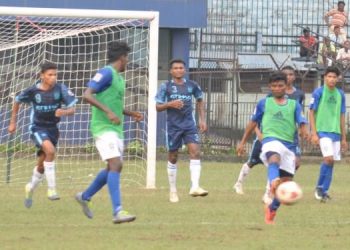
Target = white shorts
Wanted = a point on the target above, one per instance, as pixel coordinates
(330, 148)
(287, 156)
(109, 145)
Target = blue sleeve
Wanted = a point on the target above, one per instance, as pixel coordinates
(68, 97)
(343, 103)
(161, 94)
(259, 111)
(101, 81)
(299, 118)
(315, 99)
(25, 96)
(197, 92)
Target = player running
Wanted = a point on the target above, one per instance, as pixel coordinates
(327, 122)
(278, 116)
(105, 93)
(254, 159)
(46, 98)
(175, 97)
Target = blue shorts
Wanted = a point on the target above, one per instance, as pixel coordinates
(254, 158)
(38, 135)
(176, 138)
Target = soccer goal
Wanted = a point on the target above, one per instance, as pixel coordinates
(77, 41)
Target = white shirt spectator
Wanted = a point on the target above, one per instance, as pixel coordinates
(336, 40)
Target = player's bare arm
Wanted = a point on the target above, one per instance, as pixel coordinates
(314, 137)
(258, 133)
(176, 104)
(201, 113)
(138, 116)
(64, 112)
(89, 97)
(13, 120)
(344, 144)
(248, 131)
(303, 132)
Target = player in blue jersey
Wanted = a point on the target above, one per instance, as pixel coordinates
(279, 117)
(175, 96)
(254, 159)
(46, 98)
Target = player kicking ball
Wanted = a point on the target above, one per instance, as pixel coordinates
(327, 121)
(105, 93)
(175, 96)
(46, 98)
(279, 117)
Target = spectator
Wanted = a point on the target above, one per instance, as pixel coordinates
(339, 18)
(307, 44)
(327, 53)
(343, 57)
(336, 38)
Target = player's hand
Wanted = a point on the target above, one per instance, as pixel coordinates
(344, 146)
(138, 116)
(60, 112)
(240, 149)
(12, 128)
(315, 140)
(176, 104)
(202, 127)
(113, 118)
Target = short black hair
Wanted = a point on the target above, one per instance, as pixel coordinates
(176, 60)
(47, 66)
(288, 67)
(307, 29)
(332, 69)
(116, 50)
(341, 2)
(277, 76)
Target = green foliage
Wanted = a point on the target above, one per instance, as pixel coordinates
(136, 148)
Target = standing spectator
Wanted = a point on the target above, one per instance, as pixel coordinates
(343, 56)
(339, 18)
(327, 52)
(307, 44)
(336, 38)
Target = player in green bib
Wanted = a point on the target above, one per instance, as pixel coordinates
(105, 93)
(327, 121)
(280, 118)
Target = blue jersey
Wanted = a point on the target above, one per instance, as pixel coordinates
(182, 119)
(314, 103)
(258, 116)
(45, 103)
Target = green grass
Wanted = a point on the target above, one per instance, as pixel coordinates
(223, 220)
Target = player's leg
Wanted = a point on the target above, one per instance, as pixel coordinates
(326, 169)
(253, 160)
(191, 139)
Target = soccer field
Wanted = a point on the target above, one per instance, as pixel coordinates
(223, 220)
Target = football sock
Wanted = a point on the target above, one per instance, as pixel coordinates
(243, 173)
(113, 182)
(37, 177)
(267, 189)
(323, 173)
(96, 185)
(172, 170)
(195, 168)
(50, 174)
(275, 204)
(273, 171)
(328, 179)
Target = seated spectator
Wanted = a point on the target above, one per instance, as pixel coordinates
(339, 18)
(343, 57)
(307, 44)
(327, 52)
(336, 38)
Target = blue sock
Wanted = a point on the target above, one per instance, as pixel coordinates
(328, 179)
(113, 182)
(323, 173)
(273, 171)
(275, 204)
(96, 185)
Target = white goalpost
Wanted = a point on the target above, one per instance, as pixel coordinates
(77, 41)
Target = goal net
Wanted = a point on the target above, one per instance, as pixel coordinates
(77, 41)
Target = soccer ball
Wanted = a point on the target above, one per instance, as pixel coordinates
(289, 192)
